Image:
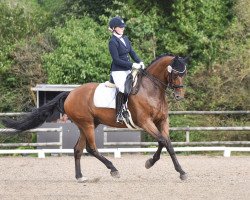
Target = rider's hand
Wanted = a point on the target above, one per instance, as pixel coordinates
(142, 65)
(136, 66)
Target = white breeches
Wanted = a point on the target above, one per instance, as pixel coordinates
(119, 78)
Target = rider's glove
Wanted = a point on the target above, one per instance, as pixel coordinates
(142, 65)
(136, 66)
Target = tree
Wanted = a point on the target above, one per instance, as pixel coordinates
(81, 55)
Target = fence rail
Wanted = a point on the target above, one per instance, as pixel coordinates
(12, 114)
(187, 131)
(118, 151)
(170, 112)
(59, 130)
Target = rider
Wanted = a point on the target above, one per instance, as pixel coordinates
(119, 48)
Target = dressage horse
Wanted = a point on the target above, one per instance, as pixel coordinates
(148, 108)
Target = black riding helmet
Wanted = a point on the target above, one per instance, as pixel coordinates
(116, 22)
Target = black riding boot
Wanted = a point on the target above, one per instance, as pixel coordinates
(119, 105)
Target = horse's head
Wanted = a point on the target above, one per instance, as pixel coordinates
(176, 73)
(168, 71)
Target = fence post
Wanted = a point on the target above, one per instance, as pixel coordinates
(61, 139)
(41, 154)
(117, 153)
(187, 135)
(227, 153)
(105, 135)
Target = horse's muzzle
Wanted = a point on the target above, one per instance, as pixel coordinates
(178, 95)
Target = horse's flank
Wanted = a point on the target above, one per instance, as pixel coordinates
(85, 110)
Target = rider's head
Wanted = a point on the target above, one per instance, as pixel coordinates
(115, 24)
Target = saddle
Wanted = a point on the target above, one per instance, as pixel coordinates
(105, 95)
(132, 85)
(133, 82)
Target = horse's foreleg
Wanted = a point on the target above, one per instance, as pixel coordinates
(78, 151)
(163, 140)
(150, 127)
(172, 154)
(167, 143)
(150, 162)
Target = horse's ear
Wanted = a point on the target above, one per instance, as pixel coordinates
(186, 59)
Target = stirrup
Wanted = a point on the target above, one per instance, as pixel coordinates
(125, 115)
(119, 118)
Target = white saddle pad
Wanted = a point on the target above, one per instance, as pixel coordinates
(104, 96)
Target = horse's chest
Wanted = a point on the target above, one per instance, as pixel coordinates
(158, 109)
(160, 115)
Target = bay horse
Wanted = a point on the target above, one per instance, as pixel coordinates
(149, 111)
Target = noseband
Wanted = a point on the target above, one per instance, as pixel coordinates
(170, 78)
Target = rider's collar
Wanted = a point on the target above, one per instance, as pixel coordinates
(117, 35)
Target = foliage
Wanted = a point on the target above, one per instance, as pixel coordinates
(79, 9)
(17, 22)
(81, 54)
(21, 47)
(222, 90)
(195, 28)
(26, 72)
(225, 84)
(242, 11)
(214, 33)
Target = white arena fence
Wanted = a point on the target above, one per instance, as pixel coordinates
(118, 151)
(58, 130)
(40, 152)
(187, 134)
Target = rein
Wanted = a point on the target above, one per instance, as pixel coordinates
(153, 79)
(157, 81)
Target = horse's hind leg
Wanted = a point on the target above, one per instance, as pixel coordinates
(91, 148)
(150, 162)
(113, 171)
(78, 151)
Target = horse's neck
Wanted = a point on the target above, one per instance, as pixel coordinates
(155, 82)
(153, 87)
(159, 69)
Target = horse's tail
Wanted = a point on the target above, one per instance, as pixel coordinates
(38, 116)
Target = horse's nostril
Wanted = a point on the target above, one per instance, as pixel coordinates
(178, 97)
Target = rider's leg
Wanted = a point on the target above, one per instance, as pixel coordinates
(119, 105)
(119, 78)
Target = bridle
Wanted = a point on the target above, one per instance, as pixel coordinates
(170, 78)
(170, 84)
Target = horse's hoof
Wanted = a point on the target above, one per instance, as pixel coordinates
(82, 179)
(149, 163)
(183, 177)
(115, 174)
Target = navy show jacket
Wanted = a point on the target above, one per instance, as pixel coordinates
(119, 53)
